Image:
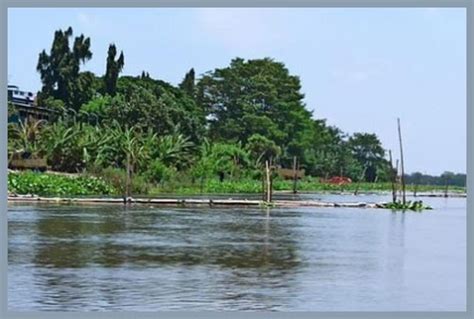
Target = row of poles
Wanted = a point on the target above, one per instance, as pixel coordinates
(267, 178)
(394, 173)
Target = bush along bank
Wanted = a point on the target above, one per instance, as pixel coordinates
(112, 181)
(57, 185)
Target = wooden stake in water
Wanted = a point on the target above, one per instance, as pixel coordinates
(271, 178)
(401, 160)
(447, 185)
(267, 170)
(393, 178)
(397, 179)
(128, 179)
(295, 175)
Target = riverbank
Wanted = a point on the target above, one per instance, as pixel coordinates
(191, 202)
(53, 184)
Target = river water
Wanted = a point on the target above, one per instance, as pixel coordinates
(88, 258)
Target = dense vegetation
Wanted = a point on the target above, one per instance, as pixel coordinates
(49, 184)
(218, 128)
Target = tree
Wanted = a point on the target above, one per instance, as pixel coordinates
(188, 83)
(13, 114)
(368, 151)
(59, 70)
(114, 67)
(255, 97)
(145, 102)
(262, 149)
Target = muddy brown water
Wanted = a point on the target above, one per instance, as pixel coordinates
(112, 258)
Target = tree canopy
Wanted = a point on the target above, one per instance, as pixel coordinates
(228, 120)
(60, 69)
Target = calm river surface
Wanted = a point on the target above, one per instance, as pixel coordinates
(86, 258)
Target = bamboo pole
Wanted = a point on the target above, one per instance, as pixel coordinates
(128, 178)
(397, 190)
(402, 164)
(295, 175)
(393, 178)
(446, 187)
(271, 178)
(267, 170)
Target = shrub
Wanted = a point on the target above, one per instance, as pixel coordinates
(118, 179)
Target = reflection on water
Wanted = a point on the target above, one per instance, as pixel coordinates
(148, 259)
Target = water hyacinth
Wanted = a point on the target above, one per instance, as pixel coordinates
(57, 185)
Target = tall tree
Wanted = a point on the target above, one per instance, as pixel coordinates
(188, 83)
(368, 151)
(255, 97)
(114, 67)
(59, 70)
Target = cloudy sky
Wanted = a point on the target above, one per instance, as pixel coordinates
(360, 68)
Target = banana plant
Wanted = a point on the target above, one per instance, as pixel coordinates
(26, 135)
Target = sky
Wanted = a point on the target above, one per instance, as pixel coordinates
(360, 68)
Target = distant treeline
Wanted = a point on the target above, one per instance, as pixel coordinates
(447, 177)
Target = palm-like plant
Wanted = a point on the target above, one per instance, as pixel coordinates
(174, 150)
(130, 146)
(60, 145)
(94, 143)
(26, 135)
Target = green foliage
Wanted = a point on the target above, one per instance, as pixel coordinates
(222, 159)
(25, 136)
(148, 103)
(448, 178)
(61, 146)
(188, 84)
(369, 153)
(417, 206)
(117, 179)
(12, 111)
(253, 97)
(53, 104)
(209, 133)
(57, 185)
(59, 69)
(114, 67)
(262, 149)
(158, 172)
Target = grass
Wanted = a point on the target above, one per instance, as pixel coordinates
(308, 185)
(46, 184)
